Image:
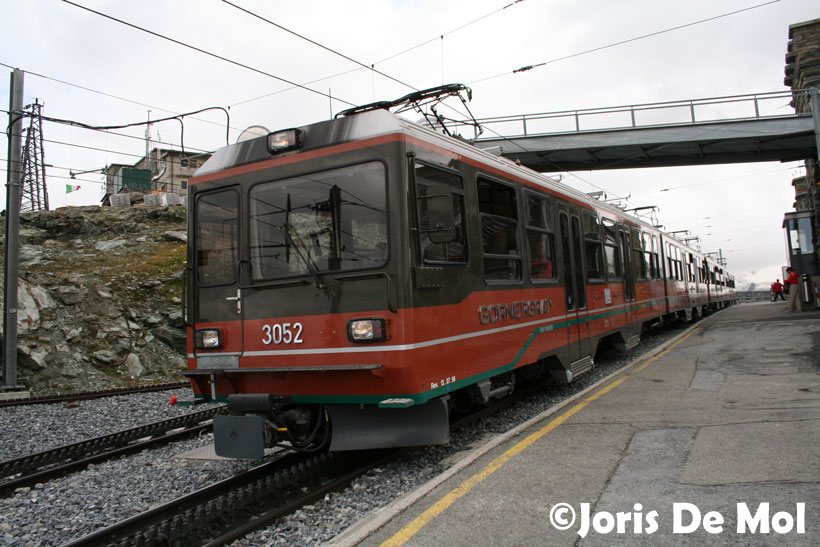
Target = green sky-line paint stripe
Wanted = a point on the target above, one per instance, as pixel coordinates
(424, 396)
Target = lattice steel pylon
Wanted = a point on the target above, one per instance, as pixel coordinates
(33, 191)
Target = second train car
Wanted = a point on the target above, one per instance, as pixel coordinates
(353, 281)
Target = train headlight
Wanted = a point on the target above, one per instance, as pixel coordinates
(282, 141)
(366, 330)
(208, 339)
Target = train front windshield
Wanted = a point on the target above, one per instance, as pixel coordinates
(328, 221)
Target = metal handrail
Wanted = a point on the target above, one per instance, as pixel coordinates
(631, 114)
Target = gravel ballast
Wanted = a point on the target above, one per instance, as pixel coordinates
(64, 509)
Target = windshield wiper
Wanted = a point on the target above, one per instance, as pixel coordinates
(308, 263)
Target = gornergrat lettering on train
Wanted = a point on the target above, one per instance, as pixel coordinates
(496, 313)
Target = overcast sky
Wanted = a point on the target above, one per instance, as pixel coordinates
(91, 69)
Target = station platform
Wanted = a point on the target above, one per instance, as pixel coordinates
(713, 438)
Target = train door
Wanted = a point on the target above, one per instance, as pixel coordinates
(569, 227)
(217, 298)
(630, 302)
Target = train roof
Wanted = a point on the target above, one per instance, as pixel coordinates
(375, 123)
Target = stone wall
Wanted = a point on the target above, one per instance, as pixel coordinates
(803, 60)
(753, 296)
(803, 72)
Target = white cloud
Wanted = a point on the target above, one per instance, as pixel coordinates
(742, 53)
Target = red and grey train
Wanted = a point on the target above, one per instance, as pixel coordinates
(353, 282)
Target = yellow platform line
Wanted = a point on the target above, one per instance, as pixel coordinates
(403, 535)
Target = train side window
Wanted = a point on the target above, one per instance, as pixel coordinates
(592, 248)
(499, 231)
(579, 268)
(690, 266)
(641, 266)
(454, 252)
(613, 260)
(678, 264)
(655, 258)
(670, 268)
(540, 238)
(217, 237)
(647, 250)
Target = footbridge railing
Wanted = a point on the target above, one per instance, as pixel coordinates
(686, 112)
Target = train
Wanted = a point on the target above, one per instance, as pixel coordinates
(353, 283)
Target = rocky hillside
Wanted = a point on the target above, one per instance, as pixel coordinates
(100, 298)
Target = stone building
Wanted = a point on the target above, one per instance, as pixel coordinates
(803, 225)
(164, 170)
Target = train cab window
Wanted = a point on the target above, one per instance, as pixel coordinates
(328, 221)
(593, 250)
(217, 237)
(440, 253)
(540, 238)
(613, 259)
(499, 231)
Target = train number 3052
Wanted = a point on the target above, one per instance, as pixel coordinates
(282, 333)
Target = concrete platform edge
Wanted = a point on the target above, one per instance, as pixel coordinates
(369, 525)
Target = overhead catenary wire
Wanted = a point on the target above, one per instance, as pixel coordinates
(178, 118)
(326, 48)
(438, 37)
(203, 51)
(126, 135)
(622, 42)
(372, 65)
(442, 35)
(110, 95)
(154, 107)
(105, 128)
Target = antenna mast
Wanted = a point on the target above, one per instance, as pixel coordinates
(34, 193)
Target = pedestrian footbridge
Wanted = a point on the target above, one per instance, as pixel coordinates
(737, 129)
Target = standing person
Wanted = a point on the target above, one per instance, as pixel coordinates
(777, 290)
(792, 289)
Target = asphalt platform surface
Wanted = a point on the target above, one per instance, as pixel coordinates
(713, 439)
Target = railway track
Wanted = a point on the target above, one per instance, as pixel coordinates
(216, 516)
(230, 509)
(47, 464)
(85, 395)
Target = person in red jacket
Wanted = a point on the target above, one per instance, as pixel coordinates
(793, 288)
(777, 290)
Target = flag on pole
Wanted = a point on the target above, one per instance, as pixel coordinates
(71, 188)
